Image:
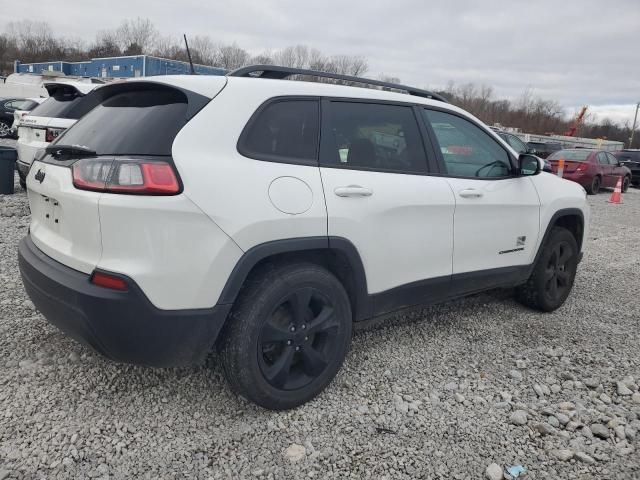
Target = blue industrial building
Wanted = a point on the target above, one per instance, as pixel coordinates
(118, 67)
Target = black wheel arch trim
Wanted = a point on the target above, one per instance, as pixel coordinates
(263, 251)
(564, 212)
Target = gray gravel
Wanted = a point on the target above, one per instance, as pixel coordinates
(434, 394)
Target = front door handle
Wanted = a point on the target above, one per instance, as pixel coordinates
(470, 193)
(353, 191)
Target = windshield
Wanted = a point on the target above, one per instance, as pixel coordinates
(131, 123)
(574, 155)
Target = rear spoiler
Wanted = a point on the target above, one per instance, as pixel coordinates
(80, 89)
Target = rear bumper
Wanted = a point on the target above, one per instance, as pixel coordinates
(122, 326)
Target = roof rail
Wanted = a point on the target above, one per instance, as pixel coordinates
(279, 73)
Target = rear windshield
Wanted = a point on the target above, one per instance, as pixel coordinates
(64, 103)
(574, 155)
(143, 122)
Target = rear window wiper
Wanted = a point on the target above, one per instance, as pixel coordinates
(70, 151)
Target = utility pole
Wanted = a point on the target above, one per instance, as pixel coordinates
(633, 129)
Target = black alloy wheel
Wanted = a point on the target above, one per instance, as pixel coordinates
(297, 339)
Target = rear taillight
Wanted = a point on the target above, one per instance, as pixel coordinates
(108, 281)
(582, 167)
(52, 134)
(131, 176)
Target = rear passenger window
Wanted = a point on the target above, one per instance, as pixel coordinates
(602, 158)
(374, 137)
(467, 150)
(283, 131)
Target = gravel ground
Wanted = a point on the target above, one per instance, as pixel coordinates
(443, 392)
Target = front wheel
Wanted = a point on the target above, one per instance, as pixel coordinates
(553, 274)
(288, 335)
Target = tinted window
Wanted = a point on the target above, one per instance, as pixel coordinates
(142, 122)
(517, 144)
(602, 159)
(20, 104)
(64, 103)
(468, 151)
(373, 136)
(283, 131)
(612, 160)
(573, 155)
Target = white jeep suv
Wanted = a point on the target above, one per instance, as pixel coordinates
(266, 217)
(66, 104)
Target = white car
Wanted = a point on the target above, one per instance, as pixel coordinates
(19, 114)
(65, 105)
(266, 217)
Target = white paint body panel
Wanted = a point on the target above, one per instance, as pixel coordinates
(177, 255)
(75, 240)
(403, 231)
(492, 222)
(233, 190)
(555, 194)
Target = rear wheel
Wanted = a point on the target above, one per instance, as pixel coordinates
(5, 130)
(287, 336)
(553, 274)
(626, 181)
(594, 188)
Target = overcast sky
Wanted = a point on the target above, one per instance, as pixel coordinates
(573, 51)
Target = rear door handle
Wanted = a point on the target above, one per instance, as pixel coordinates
(470, 193)
(353, 191)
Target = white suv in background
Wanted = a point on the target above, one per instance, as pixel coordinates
(65, 105)
(266, 217)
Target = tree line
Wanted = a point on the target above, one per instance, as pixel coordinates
(531, 114)
(30, 42)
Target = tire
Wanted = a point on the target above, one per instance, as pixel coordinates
(594, 188)
(626, 181)
(5, 130)
(23, 180)
(553, 274)
(287, 336)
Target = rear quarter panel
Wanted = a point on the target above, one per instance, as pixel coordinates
(233, 190)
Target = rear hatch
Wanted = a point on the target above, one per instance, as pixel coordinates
(121, 147)
(65, 105)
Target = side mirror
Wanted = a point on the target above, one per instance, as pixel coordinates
(528, 165)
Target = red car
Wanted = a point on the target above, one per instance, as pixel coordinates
(592, 169)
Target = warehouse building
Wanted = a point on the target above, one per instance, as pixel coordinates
(117, 67)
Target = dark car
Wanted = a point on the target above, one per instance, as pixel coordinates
(630, 158)
(592, 169)
(520, 147)
(543, 149)
(7, 107)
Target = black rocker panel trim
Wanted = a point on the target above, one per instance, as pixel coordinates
(441, 289)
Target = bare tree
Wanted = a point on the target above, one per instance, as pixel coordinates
(232, 56)
(34, 40)
(139, 32)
